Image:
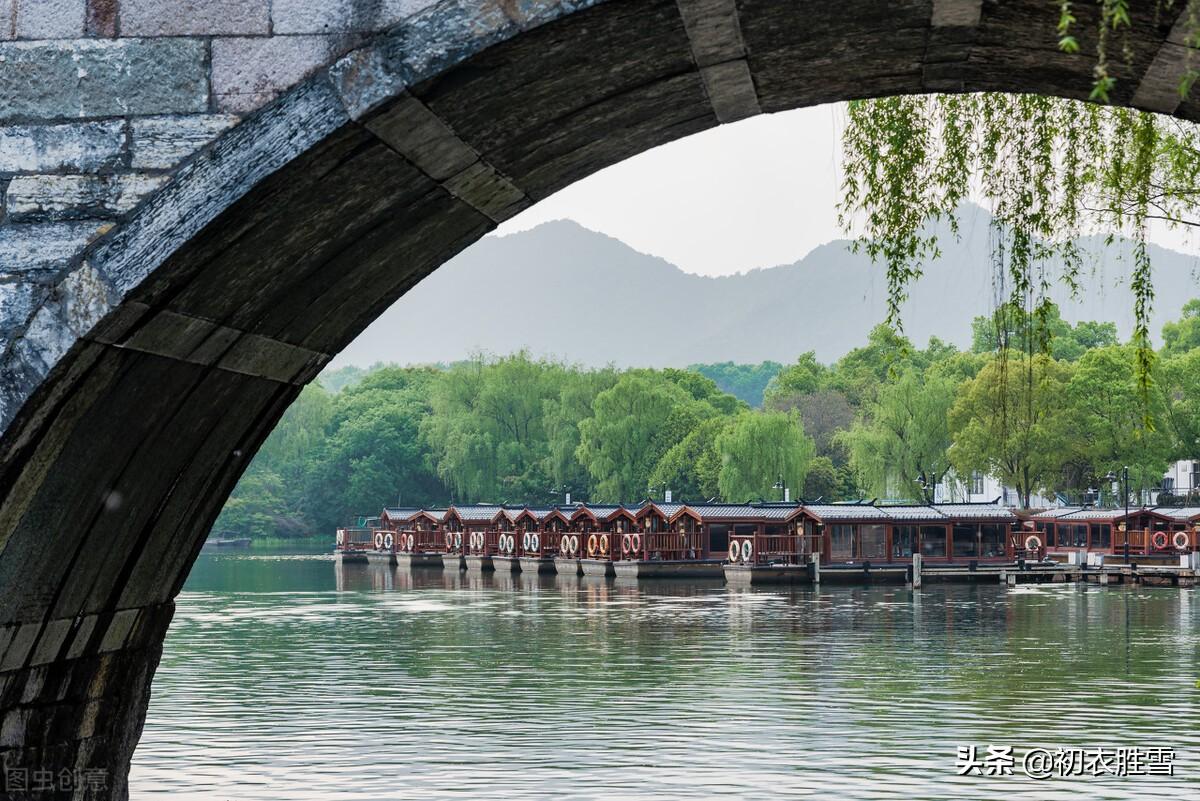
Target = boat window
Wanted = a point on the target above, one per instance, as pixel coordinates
(903, 539)
(991, 539)
(718, 538)
(841, 542)
(933, 541)
(872, 542)
(966, 539)
(1101, 536)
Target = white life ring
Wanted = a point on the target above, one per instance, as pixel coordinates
(449, 540)
(525, 540)
(636, 543)
(574, 543)
(747, 550)
(512, 543)
(1180, 540)
(535, 543)
(604, 544)
(735, 550)
(564, 545)
(388, 540)
(378, 540)
(1159, 540)
(458, 539)
(411, 541)
(626, 543)
(1033, 543)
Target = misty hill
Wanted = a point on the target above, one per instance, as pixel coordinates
(562, 290)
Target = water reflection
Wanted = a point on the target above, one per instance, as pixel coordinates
(291, 677)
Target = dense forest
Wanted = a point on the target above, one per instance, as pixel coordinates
(1042, 404)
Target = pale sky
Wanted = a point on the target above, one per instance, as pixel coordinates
(757, 193)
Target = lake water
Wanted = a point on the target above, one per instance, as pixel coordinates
(288, 677)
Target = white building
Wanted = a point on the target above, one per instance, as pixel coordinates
(1182, 478)
(982, 488)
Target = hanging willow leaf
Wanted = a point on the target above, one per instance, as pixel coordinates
(1051, 170)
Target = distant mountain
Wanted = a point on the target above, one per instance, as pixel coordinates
(564, 291)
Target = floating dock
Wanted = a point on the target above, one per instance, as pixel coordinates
(537, 564)
(411, 560)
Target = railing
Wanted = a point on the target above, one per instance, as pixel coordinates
(769, 549)
(537, 544)
(355, 539)
(659, 545)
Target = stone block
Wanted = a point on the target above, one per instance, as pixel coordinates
(81, 147)
(42, 247)
(412, 130)
(250, 72)
(17, 302)
(191, 18)
(50, 19)
(12, 728)
(19, 646)
(488, 191)
(8, 20)
(72, 197)
(118, 630)
(82, 634)
(448, 33)
(102, 17)
(51, 641)
(340, 16)
(160, 143)
(102, 78)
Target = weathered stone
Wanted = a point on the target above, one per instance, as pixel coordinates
(249, 72)
(17, 303)
(207, 185)
(338, 16)
(81, 147)
(101, 78)
(51, 641)
(74, 306)
(43, 247)
(730, 89)
(67, 197)
(83, 634)
(8, 20)
(19, 646)
(418, 134)
(956, 13)
(485, 189)
(12, 728)
(189, 18)
(118, 630)
(160, 143)
(102, 17)
(449, 32)
(50, 19)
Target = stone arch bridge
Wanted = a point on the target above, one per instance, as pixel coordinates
(201, 202)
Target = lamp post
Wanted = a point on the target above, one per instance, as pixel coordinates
(1124, 491)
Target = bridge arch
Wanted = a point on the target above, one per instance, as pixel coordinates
(142, 368)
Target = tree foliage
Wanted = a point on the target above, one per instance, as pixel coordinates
(759, 449)
(1050, 169)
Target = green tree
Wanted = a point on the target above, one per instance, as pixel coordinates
(806, 376)
(757, 449)
(746, 382)
(1184, 335)
(900, 448)
(615, 442)
(691, 467)
(1007, 422)
(1112, 425)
